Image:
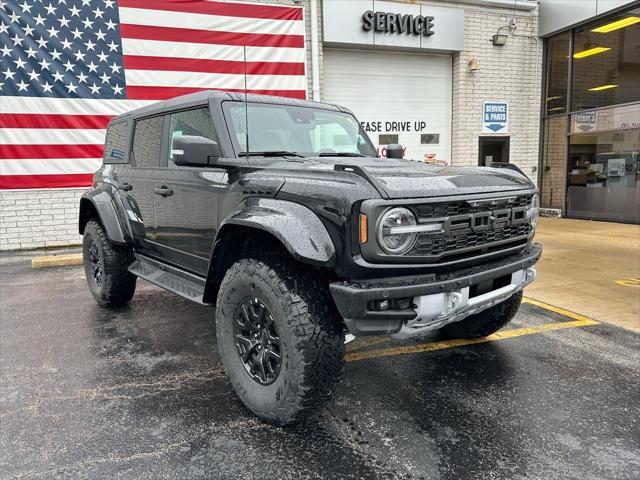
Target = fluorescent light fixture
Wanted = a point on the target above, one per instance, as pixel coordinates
(602, 87)
(610, 27)
(555, 109)
(591, 51)
(554, 98)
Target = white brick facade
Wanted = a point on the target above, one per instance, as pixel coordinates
(510, 73)
(47, 218)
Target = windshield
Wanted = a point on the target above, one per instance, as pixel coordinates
(301, 130)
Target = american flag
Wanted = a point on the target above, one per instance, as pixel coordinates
(68, 66)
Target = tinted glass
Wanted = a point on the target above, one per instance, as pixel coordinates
(603, 179)
(116, 143)
(147, 141)
(606, 62)
(189, 122)
(304, 130)
(557, 72)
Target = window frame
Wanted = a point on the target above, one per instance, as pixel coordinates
(163, 143)
(164, 159)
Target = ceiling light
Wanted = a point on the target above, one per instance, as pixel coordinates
(610, 27)
(555, 109)
(591, 51)
(602, 87)
(554, 98)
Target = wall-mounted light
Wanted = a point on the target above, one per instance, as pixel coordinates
(499, 39)
(473, 65)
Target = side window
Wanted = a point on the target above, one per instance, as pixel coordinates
(189, 122)
(147, 140)
(115, 145)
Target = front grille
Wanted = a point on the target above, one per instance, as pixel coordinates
(437, 210)
(461, 240)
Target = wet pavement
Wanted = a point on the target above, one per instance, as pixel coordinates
(139, 392)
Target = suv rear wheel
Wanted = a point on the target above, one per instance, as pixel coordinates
(486, 322)
(105, 266)
(280, 338)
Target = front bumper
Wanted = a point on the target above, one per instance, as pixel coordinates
(436, 299)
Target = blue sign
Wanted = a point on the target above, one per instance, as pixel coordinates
(495, 117)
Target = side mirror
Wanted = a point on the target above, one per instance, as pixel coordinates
(194, 151)
(394, 150)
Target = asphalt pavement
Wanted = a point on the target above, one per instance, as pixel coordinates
(139, 392)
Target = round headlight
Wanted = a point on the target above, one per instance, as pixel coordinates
(534, 211)
(391, 236)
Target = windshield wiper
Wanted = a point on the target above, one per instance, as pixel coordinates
(340, 154)
(271, 153)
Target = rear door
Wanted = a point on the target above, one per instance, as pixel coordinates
(136, 181)
(186, 198)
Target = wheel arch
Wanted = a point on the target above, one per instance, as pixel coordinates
(99, 204)
(266, 225)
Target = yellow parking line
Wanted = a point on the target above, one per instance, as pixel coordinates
(578, 321)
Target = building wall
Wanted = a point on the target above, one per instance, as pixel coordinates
(554, 164)
(510, 73)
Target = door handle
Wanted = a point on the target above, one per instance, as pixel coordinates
(126, 187)
(164, 191)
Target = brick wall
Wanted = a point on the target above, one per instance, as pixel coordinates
(39, 218)
(511, 73)
(554, 164)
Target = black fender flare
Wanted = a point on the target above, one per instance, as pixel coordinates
(297, 227)
(103, 200)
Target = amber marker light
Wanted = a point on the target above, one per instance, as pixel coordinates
(610, 27)
(363, 229)
(602, 87)
(591, 51)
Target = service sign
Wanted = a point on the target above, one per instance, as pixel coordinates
(495, 116)
(395, 25)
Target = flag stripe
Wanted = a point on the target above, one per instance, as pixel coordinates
(49, 166)
(25, 120)
(181, 49)
(204, 80)
(163, 93)
(52, 136)
(160, 18)
(70, 106)
(132, 62)
(50, 151)
(230, 9)
(210, 37)
(45, 181)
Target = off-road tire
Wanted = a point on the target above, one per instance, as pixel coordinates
(486, 322)
(117, 284)
(310, 330)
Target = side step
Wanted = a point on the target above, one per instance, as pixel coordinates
(175, 280)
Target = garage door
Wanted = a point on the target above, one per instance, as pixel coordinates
(398, 97)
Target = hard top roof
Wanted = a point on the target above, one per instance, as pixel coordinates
(194, 99)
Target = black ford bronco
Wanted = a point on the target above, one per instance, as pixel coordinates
(280, 214)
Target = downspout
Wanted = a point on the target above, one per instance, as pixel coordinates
(315, 52)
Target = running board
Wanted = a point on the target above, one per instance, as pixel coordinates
(170, 278)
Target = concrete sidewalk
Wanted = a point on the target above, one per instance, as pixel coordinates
(592, 268)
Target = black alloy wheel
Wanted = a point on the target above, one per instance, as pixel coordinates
(257, 341)
(95, 264)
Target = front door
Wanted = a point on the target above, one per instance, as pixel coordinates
(493, 149)
(186, 198)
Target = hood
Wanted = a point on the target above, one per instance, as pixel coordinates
(396, 179)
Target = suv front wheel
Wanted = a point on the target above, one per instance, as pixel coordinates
(280, 338)
(105, 266)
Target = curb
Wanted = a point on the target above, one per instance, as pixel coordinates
(56, 260)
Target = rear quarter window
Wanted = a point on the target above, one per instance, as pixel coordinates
(115, 146)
